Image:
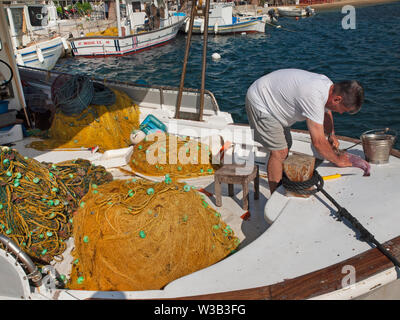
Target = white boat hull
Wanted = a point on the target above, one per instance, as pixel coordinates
(43, 55)
(304, 253)
(293, 12)
(250, 26)
(98, 46)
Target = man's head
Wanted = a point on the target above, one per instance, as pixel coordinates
(345, 96)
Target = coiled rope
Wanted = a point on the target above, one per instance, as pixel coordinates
(316, 180)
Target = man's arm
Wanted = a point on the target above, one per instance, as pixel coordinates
(323, 146)
(329, 129)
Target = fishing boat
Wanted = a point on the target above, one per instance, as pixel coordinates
(291, 247)
(34, 40)
(142, 25)
(223, 21)
(289, 11)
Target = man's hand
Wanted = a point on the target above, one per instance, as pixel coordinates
(343, 160)
(333, 141)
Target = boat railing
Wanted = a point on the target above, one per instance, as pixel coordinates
(145, 95)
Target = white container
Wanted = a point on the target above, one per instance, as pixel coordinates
(113, 158)
(12, 135)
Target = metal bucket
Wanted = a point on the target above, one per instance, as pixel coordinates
(377, 144)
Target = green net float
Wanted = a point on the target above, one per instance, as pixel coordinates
(82, 204)
(50, 202)
(179, 168)
(185, 218)
(52, 215)
(186, 188)
(140, 147)
(49, 233)
(150, 191)
(18, 175)
(9, 173)
(80, 280)
(54, 189)
(130, 194)
(94, 186)
(95, 192)
(216, 226)
(8, 231)
(16, 183)
(56, 202)
(210, 170)
(63, 277)
(44, 251)
(41, 236)
(201, 170)
(36, 180)
(54, 167)
(76, 261)
(142, 234)
(86, 239)
(71, 175)
(71, 220)
(1, 206)
(6, 161)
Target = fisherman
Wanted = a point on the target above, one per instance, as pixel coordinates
(277, 100)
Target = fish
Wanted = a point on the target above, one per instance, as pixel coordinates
(359, 162)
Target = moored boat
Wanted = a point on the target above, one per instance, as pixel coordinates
(290, 11)
(34, 42)
(143, 26)
(223, 21)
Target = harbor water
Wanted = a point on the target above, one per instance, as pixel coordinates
(369, 53)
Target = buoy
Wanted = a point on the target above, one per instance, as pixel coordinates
(39, 54)
(137, 136)
(216, 28)
(216, 56)
(187, 25)
(243, 33)
(65, 44)
(202, 26)
(20, 61)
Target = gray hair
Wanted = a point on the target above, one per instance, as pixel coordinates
(352, 94)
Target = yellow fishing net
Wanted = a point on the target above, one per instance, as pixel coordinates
(107, 127)
(113, 31)
(180, 157)
(37, 201)
(141, 235)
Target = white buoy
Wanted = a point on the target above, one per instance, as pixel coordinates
(20, 61)
(137, 136)
(202, 26)
(39, 54)
(65, 44)
(243, 33)
(216, 28)
(187, 25)
(216, 56)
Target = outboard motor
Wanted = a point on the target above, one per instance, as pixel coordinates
(309, 11)
(272, 15)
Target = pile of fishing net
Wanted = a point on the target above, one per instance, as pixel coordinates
(113, 32)
(37, 201)
(141, 235)
(107, 127)
(180, 157)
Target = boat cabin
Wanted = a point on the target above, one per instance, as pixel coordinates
(29, 21)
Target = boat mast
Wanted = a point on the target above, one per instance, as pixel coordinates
(117, 10)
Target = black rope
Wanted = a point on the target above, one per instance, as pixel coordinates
(316, 180)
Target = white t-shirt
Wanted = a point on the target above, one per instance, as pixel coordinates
(291, 95)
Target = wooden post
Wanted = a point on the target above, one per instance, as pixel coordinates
(299, 168)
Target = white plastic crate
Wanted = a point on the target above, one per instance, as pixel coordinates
(12, 135)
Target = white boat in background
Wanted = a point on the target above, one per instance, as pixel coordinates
(288, 11)
(221, 20)
(143, 25)
(34, 40)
